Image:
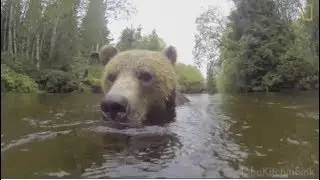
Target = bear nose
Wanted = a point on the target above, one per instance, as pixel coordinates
(114, 105)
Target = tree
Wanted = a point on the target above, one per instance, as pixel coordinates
(50, 36)
(288, 10)
(131, 38)
(210, 27)
(152, 42)
(94, 31)
(312, 25)
(119, 9)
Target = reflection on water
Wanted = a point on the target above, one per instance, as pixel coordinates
(214, 136)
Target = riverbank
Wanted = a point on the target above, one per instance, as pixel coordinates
(86, 78)
(307, 83)
(77, 77)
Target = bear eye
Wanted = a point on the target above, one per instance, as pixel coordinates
(145, 75)
(112, 76)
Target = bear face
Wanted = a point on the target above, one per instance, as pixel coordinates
(139, 87)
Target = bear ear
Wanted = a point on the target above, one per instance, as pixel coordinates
(171, 53)
(106, 53)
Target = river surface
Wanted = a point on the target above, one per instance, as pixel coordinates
(214, 136)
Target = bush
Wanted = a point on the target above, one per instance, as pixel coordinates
(94, 76)
(95, 71)
(64, 79)
(57, 81)
(19, 64)
(16, 82)
(190, 78)
(78, 66)
(271, 81)
(93, 81)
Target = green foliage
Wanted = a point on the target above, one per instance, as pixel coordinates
(260, 47)
(93, 28)
(211, 84)
(152, 42)
(93, 81)
(57, 81)
(228, 72)
(210, 26)
(78, 66)
(94, 75)
(271, 80)
(95, 71)
(50, 40)
(211, 79)
(16, 82)
(68, 33)
(131, 38)
(312, 27)
(17, 63)
(190, 78)
(261, 42)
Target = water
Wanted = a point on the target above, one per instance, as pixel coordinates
(214, 136)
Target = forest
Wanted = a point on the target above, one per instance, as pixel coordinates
(262, 45)
(46, 45)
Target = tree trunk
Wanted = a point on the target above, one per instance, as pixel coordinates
(28, 44)
(42, 39)
(24, 33)
(10, 29)
(97, 48)
(38, 51)
(5, 32)
(33, 51)
(14, 26)
(53, 38)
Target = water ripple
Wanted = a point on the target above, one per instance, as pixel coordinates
(40, 136)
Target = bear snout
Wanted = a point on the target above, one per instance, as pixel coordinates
(114, 107)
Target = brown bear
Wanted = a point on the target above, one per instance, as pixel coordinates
(103, 57)
(139, 86)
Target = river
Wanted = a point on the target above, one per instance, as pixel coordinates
(214, 136)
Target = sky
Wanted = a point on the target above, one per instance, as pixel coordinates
(174, 21)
